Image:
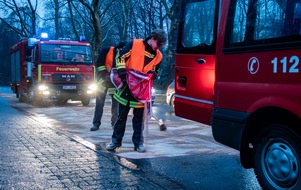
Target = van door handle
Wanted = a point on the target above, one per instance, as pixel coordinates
(182, 81)
(201, 61)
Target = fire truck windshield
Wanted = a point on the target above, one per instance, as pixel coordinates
(65, 54)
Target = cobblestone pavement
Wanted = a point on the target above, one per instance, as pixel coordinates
(35, 156)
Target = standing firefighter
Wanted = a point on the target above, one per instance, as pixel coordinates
(142, 56)
(103, 65)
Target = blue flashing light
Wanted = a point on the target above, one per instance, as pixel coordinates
(82, 38)
(44, 35)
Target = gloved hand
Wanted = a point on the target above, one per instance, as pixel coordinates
(107, 78)
(107, 81)
(107, 84)
(103, 74)
(123, 78)
(154, 74)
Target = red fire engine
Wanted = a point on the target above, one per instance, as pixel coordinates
(238, 70)
(52, 70)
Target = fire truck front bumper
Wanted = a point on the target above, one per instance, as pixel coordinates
(62, 91)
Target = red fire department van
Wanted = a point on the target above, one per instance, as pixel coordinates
(238, 70)
(44, 70)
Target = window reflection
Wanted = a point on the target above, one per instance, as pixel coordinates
(264, 19)
(65, 54)
(199, 23)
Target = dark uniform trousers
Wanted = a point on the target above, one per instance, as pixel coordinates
(120, 125)
(99, 104)
(100, 101)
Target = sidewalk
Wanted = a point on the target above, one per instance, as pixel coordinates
(55, 149)
(36, 156)
(182, 137)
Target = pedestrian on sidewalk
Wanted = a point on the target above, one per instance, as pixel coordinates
(143, 56)
(103, 65)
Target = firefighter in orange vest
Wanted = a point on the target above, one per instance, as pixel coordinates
(103, 66)
(144, 56)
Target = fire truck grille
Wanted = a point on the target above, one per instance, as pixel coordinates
(67, 77)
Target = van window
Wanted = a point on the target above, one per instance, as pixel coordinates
(198, 24)
(198, 27)
(263, 22)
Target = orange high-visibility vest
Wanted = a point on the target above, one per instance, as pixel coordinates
(136, 60)
(109, 59)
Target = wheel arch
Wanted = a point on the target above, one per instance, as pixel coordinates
(257, 122)
(172, 100)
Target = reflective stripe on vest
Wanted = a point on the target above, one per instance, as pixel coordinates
(111, 90)
(118, 97)
(100, 87)
(101, 68)
(123, 101)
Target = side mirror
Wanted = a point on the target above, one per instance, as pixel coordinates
(32, 41)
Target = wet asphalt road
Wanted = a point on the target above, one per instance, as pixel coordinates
(185, 154)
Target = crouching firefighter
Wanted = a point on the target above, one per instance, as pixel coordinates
(142, 56)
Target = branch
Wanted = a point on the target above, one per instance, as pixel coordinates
(81, 16)
(13, 28)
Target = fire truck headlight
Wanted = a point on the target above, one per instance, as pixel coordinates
(43, 87)
(46, 92)
(91, 88)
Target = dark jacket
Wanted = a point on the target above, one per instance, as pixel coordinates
(124, 96)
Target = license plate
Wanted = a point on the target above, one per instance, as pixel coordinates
(69, 87)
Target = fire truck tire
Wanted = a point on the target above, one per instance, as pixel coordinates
(33, 99)
(22, 98)
(277, 158)
(30, 96)
(86, 101)
(36, 102)
(61, 102)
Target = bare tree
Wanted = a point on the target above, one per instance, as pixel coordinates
(102, 21)
(127, 10)
(173, 14)
(72, 18)
(20, 16)
(97, 10)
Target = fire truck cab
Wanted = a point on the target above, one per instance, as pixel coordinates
(44, 70)
(238, 70)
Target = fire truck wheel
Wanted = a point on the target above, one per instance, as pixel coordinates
(61, 102)
(29, 97)
(22, 98)
(32, 99)
(36, 102)
(86, 101)
(277, 158)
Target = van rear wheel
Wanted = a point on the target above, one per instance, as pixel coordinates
(277, 158)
